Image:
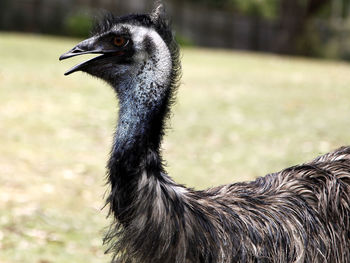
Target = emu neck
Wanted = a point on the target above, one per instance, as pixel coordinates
(140, 124)
(144, 96)
(136, 146)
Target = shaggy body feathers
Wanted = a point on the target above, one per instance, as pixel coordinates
(300, 214)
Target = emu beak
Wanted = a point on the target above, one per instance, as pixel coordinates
(88, 46)
(84, 47)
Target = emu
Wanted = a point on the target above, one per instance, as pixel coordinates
(300, 214)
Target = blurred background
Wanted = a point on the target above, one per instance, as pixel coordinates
(265, 86)
(304, 27)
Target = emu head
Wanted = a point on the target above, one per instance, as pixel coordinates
(131, 48)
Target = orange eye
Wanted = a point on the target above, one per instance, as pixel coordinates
(119, 41)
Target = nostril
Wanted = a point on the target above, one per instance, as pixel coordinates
(77, 50)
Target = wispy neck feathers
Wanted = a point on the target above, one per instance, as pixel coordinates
(144, 101)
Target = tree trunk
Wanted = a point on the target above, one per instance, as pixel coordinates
(294, 17)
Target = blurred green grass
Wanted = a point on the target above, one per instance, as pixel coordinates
(238, 116)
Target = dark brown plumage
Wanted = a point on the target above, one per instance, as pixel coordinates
(300, 214)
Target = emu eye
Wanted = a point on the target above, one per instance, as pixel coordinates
(119, 41)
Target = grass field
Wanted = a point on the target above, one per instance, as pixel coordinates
(239, 116)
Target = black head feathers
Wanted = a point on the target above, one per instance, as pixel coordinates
(156, 19)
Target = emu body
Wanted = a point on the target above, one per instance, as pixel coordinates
(300, 214)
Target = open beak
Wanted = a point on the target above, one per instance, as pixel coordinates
(87, 46)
